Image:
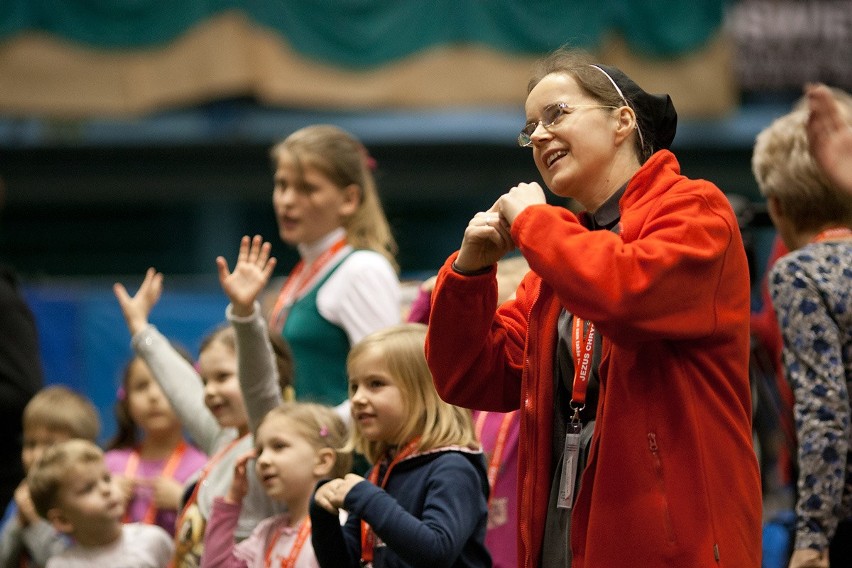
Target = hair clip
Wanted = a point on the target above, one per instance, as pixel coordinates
(323, 432)
(121, 393)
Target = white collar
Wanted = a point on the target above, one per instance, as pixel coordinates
(309, 252)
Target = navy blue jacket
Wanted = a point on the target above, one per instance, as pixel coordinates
(432, 513)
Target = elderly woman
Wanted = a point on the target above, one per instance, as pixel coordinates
(812, 297)
(635, 314)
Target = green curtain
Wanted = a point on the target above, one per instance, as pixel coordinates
(369, 33)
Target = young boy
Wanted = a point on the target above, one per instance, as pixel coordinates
(72, 488)
(53, 415)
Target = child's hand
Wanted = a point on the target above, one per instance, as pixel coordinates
(126, 487)
(239, 484)
(332, 494)
(167, 493)
(250, 276)
(137, 308)
(26, 509)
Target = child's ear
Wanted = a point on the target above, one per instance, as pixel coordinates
(325, 460)
(59, 521)
(351, 200)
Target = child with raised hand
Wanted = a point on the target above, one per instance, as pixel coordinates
(71, 487)
(424, 500)
(149, 456)
(345, 285)
(212, 409)
(260, 377)
(55, 414)
(296, 445)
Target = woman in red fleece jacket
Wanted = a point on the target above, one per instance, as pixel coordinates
(646, 296)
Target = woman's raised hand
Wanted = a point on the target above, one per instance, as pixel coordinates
(137, 308)
(250, 276)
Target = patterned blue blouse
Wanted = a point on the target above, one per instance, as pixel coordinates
(812, 294)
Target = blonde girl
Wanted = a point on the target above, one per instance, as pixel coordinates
(212, 409)
(424, 500)
(296, 445)
(345, 285)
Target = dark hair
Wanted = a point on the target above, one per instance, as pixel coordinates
(127, 434)
(656, 119)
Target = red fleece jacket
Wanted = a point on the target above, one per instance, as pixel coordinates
(672, 478)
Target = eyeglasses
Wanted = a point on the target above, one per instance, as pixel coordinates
(550, 116)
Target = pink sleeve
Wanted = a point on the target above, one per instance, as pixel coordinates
(219, 536)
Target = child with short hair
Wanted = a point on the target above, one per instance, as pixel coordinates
(296, 446)
(55, 414)
(72, 488)
(424, 500)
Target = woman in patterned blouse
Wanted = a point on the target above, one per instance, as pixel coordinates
(811, 290)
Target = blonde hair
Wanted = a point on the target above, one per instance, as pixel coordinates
(61, 409)
(50, 473)
(786, 170)
(319, 425)
(345, 161)
(438, 423)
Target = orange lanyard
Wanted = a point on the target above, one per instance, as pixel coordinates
(583, 347)
(203, 476)
(368, 539)
(290, 561)
(168, 470)
(834, 233)
(296, 283)
(497, 453)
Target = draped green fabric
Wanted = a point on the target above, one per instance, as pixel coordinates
(368, 33)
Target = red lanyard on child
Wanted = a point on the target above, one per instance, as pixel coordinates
(290, 292)
(833, 233)
(203, 476)
(367, 537)
(290, 561)
(497, 453)
(583, 347)
(168, 471)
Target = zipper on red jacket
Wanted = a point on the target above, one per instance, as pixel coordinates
(658, 469)
(523, 524)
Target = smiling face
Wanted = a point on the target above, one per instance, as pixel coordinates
(89, 506)
(218, 368)
(377, 404)
(287, 465)
(308, 205)
(148, 406)
(576, 154)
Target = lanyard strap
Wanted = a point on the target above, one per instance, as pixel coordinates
(367, 537)
(495, 461)
(295, 550)
(168, 470)
(203, 476)
(584, 345)
(296, 283)
(833, 233)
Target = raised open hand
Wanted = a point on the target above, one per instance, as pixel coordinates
(250, 276)
(136, 309)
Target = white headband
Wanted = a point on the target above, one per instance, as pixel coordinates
(623, 98)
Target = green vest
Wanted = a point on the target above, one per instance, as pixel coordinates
(319, 350)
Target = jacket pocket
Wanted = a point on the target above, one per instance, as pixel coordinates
(661, 486)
